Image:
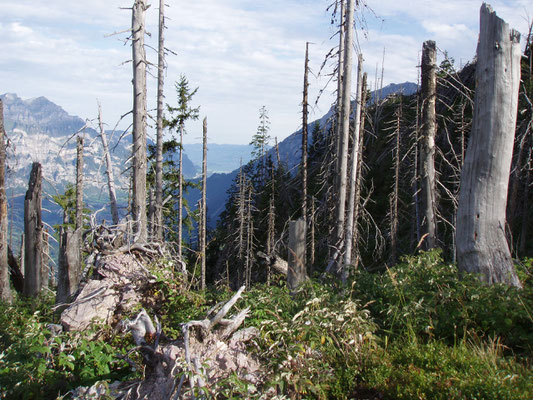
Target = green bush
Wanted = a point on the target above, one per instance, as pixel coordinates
(425, 297)
(35, 364)
(312, 342)
(408, 370)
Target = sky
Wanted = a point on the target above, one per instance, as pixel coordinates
(241, 54)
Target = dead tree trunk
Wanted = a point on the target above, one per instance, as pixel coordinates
(69, 265)
(33, 232)
(296, 273)
(304, 134)
(157, 228)
(109, 169)
(139, 121)
(353, 171)
(394, 217)
(5, 291)
(45, 257)
(340, 72)
(359, 183)
(525, 212)
(203, 215)
(345, 128)
(15, 272)
(79, 183)
(427, 148)
(481, 243)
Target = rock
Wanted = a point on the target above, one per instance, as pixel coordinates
(96, 302)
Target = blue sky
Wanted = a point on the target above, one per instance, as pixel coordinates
(242, 54)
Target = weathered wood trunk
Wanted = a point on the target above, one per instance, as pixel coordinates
(481, 243)
(139, 121)
(203, 215)
(45, 265)
(427, 147)
(69, 266)
(157, 229)
(15, 272)
(5, 291)
(394, 217)
(109, 169)
(296, 273)
(357, 211)
(340, 72)
(79, 182)
(33, 232)
(353, 171)
(345, 128)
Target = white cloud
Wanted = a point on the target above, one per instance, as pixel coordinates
(241, 53)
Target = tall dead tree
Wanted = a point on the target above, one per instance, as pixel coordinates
(157, 230)
(305, 134)
(5, 291)
(109, 169)
(395, 196)
(427, 148)
(79, 182)
(345, 128)
(33, 232)
(203, 215)
(139, 121)
(359, 183)
(481, 242)
(353, 171)
(340, 72)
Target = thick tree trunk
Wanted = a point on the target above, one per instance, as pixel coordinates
(69, 265)
(345, 128)
(353, 171)
(481, 243)
(33, 232)
(139, 122)
(5, 291)
(109, 169)
(296, 274)
(45, 266)
(203, 215)
(79, 183)
(427, 148)
(157, 230)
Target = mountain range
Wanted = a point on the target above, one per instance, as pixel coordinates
(39, 130)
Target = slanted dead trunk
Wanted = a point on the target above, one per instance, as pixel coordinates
(33, 232)
(427, 148)
(482, 246)
(139, 121)
(5, 291)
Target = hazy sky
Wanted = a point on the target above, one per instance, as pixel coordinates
(242, 54)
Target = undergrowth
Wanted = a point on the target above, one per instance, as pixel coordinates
(416, 331)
